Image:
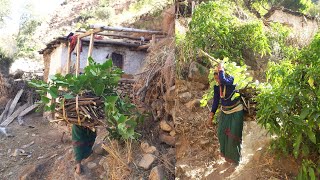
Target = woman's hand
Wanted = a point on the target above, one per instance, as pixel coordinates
(209, 122)
(220, 66)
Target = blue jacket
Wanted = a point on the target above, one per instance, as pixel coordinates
(225, 82)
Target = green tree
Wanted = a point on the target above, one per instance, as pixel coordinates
(289, 106)
(295, 5)
(4, 10)
(25, 43)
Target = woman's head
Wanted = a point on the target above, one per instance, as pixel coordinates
(216, 77)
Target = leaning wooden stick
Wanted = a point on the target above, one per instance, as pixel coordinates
(210, 57)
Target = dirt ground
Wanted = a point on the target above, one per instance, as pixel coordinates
(197, 147)
(46, 155)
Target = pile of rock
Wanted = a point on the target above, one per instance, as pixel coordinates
(125, 88)
(150, 154)
(167, 132)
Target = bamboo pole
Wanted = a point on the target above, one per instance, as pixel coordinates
(123, 29)
(153, 41)
(69, 59)
(118, 35)
(210, 57)
(78, 57)
(88, 33)
(90, 47)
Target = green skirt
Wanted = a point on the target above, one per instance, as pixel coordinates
(82, 139)
(230, 135)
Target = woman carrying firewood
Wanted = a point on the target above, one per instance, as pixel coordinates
(230, 119)
(83, 139)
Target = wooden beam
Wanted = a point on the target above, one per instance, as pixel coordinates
(88, 33)
(14, 115)
(153, 41)
(78, 57)
(4, 113)
(14, 102)
(143, 47)
(112, 42)
(90, 47)
(123, 29)
(69, 59)
(27, 110)
(120, 36)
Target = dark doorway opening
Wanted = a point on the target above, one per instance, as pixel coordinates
(117, 60)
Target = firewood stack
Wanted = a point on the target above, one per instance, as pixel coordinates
(248, 95)
(82, 110)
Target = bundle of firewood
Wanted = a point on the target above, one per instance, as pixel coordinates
(247, 98)
(83, 111)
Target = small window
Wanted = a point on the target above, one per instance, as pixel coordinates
(117, 60)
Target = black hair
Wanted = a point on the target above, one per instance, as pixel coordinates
(69, 35)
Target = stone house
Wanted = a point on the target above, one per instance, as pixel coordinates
(303, 26)
(126, 55)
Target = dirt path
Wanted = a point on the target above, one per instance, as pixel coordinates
(198, 148)
(42, 155)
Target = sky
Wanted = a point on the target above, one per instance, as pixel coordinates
(40, 8)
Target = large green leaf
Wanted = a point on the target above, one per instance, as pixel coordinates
(122, 119)
(107, 64)
(53, 91)
(68, 96)
(296, 145)
(312, 136)
(45, 99)
(304, 113)
(112, 99)
(98, 89)
(311, 173)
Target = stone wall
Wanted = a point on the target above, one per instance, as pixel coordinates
(304, 28)
(132, 60)
(125, 88)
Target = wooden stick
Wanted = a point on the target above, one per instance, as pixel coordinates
(4, 113)
(118, 35)
(88, 33)
(90, 48)
(143, 47)
(78, 56)
(206, 54)
(14, 102)
(83, 103)
(14, 115)
(27, 110)
(69, 59)
(82, 99)
(123, 29)
(56, 120)
(153, 41)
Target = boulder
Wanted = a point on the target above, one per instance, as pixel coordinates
(170, 140)
(185, 97)
(165, 126)
(146, 161)
(146, 148)
(198, 73)
(192, 105)
(157, 173)
(97, 149)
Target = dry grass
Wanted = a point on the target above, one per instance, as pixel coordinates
(119, 159)
(159, 72)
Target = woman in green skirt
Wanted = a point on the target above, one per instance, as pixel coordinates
(230, 120)
(83, 139)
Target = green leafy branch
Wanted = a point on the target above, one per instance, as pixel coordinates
(121, 116)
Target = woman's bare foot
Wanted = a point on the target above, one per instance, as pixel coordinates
(78, 168)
